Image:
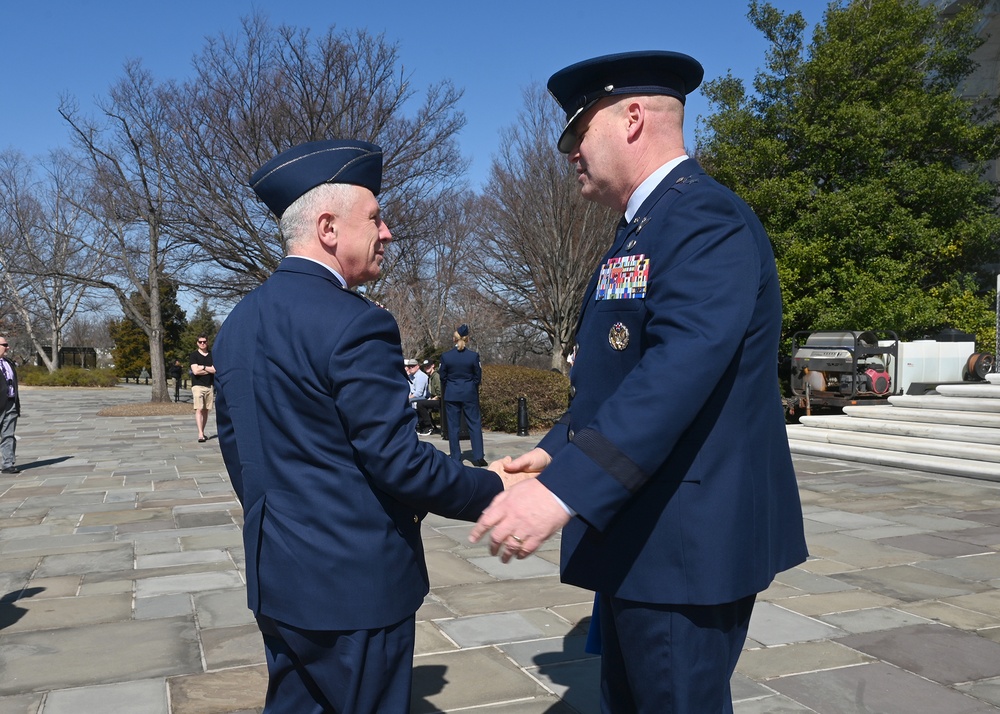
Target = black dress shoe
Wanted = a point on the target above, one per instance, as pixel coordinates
(10, 470)
(480, 462)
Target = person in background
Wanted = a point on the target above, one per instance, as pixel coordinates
(10, 410)
(322, 450)
(202, 384)
(418, 383)
(461, 374)
(671, 470)
(426, 407)
(176, 372)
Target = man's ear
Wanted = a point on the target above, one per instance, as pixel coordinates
(636, 115)
(326, 229)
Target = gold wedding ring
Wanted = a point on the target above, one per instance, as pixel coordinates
(519, 540)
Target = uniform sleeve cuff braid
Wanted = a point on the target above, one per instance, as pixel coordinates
(606, 455)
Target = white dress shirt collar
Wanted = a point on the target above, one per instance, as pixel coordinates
(647, 186)
(340, 278)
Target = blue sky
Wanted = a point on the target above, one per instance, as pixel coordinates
(492, 50)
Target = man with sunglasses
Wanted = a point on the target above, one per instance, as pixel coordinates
(10, 409)
(202, 384)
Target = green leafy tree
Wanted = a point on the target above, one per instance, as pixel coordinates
(131, 343)
(131, 347)
(867, 166)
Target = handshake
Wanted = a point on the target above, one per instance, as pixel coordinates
(526, 514)
(512, 471)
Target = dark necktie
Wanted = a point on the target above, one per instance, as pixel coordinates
(619, 237)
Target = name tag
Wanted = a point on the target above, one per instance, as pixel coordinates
(623, 278)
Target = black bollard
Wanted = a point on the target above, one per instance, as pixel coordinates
(522, 416)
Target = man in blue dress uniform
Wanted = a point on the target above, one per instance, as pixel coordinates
(322, 449)
(671, 470)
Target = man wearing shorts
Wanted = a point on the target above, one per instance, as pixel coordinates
(202, 381)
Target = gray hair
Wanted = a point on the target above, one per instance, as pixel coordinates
(298, 220)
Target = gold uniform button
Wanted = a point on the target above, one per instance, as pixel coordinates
(416, 519)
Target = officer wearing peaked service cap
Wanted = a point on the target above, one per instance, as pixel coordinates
(322, 449)
(670, 473)
(581, 85)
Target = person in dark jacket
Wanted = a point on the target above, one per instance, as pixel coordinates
(671, 470)
(322, 449)
(460, 378)
(10, 409)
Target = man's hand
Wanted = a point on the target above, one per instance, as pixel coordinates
(499, 468)
(533, 462)
(521, 519)
(528, 465)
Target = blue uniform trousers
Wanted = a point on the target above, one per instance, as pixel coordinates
(473, 420)
(333, 672)
(670, 659)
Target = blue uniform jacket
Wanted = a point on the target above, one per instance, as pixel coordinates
(323, 454)
(460, 375)
(674, 452)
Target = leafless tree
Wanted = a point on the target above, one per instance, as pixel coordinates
(541, 241)
(42, 244)
(89, 330)
(264, 90)
(429, 286)
(127, 153)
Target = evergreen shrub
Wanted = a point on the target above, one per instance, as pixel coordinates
(32, 376)
(547, 395)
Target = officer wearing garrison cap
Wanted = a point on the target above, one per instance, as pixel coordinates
(322, 449)
(671, 471)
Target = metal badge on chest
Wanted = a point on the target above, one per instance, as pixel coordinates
(618, 336)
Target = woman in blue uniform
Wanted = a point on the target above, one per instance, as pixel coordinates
(460, 377)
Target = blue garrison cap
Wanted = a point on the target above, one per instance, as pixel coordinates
(579, 86)
(463, 330)
(292, 173)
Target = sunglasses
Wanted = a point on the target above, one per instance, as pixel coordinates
(4, 344)
(202, 342)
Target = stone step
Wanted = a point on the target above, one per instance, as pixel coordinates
(933, 416)
(922, 430)
(880, 457)
(976, 390)
(904, 444)
(939, 401)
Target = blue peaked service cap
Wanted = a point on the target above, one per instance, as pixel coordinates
(292, 173)
(581, 85)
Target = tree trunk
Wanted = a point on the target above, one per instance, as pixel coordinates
(157, 367)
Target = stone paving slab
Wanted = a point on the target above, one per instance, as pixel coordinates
(936, 652)
(148, 696)
(875, 687)
(122, 589)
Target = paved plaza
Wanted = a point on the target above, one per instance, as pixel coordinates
(122, 589)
